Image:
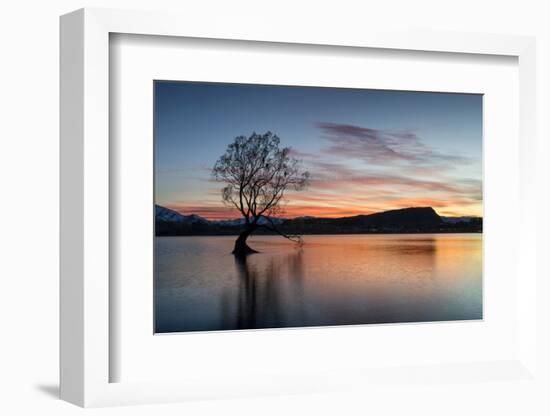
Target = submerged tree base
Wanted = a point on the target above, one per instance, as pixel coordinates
(242, 250)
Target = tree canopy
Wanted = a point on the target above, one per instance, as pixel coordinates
(257, 172)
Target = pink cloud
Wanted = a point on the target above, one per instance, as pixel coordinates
(381, 146)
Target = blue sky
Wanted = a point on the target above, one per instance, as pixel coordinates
(367, 150)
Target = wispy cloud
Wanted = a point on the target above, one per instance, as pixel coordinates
(378, 146)
(360, 170)
(332, 175)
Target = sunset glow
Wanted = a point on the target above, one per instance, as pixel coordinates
(366, 150)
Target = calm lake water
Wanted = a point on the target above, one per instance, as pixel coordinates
(331, 280)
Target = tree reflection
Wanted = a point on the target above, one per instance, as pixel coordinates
(267, 297)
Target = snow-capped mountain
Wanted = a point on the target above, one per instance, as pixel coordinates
(405, 220)
(163, 214)
(229, 223)
(169, 215)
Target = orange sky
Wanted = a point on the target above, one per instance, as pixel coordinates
(308, 206)
(340, 189)
(366, 150)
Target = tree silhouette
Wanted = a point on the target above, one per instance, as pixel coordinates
(257, 172)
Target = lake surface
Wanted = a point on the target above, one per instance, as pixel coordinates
(330, 280)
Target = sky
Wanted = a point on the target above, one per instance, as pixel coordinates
(366, 150)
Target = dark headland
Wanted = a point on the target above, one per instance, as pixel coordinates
(398, 221)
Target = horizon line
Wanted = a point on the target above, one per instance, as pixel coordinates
(179, 211)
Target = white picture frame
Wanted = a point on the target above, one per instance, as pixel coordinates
(85, 212)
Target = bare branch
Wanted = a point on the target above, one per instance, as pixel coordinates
(257, 173)
(292, 237)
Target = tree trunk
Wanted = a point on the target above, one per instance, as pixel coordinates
(242, 249)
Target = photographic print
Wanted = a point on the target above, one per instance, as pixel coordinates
(292, 206)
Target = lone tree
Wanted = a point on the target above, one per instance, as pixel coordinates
(257, 172)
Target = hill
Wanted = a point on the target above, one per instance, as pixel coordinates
(406, 220)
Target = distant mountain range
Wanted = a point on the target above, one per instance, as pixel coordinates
(407, 220)
(168, 215)
(163, 214)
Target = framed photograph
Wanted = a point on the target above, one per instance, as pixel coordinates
(269, 212)
(374, 218)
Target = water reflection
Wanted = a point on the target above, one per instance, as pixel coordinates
(259, 295)
(332, 280)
